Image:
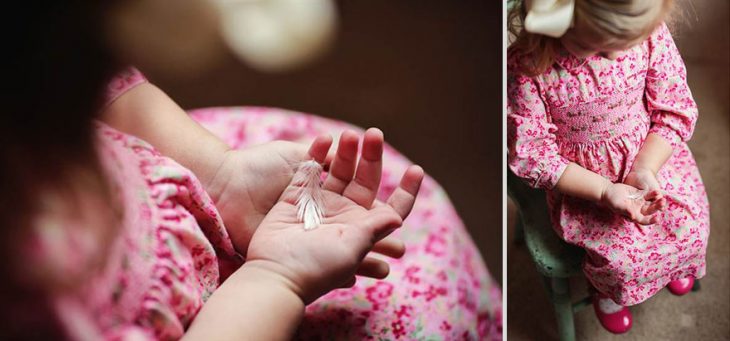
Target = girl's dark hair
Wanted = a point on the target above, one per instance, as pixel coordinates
(56, 65)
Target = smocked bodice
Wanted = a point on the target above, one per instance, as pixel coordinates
(603, 119)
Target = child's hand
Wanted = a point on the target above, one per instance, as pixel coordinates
(249, 182)
(643, 179)
(313, 262)
(621, 198)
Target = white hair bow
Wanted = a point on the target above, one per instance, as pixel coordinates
(549, 17)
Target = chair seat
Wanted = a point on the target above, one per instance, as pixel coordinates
(552, 256)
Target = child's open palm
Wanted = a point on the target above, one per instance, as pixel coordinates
(635, 204)
(249, 182)
(316, 261)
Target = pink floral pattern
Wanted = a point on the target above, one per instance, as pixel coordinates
(597, 113)
(165, 261)
(173, 249)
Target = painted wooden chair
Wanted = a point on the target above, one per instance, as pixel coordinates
(555, 260)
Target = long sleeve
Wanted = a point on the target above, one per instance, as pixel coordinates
(533, 151)
(669, 99)
(121, 83)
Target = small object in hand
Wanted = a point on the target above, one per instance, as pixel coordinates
(638, 194)
(310, 203)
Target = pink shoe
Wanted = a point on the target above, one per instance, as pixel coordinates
(681, 286)
(615, 318)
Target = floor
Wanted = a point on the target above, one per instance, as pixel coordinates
(702, 37)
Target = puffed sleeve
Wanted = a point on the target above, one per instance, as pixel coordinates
(669, 101)
(121, 83)
(533, 151)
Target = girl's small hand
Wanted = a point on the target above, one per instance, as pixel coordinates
(620, 198)
(643, 179)
(316, 261)
(249, 182)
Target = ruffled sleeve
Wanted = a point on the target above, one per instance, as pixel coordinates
(123, 82)
(533, 150)
(669, 99)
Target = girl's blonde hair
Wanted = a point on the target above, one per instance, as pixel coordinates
(613, 20)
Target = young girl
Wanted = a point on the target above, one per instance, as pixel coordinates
(125, 218)
(598, 114)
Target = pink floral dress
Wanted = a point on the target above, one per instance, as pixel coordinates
(173, 251)
(597, 113)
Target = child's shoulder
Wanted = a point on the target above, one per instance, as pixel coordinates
(660, 37)
(515, 59)
(661, 31)
(517, 65)
(526, 66)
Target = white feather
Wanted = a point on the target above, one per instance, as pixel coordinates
(310, 206)
(638, 194)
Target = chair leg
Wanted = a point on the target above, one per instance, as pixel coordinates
(519, 237)
(560, 295)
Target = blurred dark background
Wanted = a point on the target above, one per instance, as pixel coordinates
(428, 73)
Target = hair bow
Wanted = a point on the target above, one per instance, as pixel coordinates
(549, 17)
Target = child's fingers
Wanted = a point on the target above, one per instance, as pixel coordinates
(391, 247)
(320, 147)
(404, 196)
(343, 165)
(649, 208)
(380, 222)
(654, 206)
(363, 189)
(373, 268)
(643, 219)
(653, 195)
(328, 160)
(634, 214)
(350, 283)
(303, 174)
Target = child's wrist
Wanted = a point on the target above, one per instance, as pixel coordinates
(253, 303)
(259, 275)
(639, 168)
(271, 275)
(211, 179)
(605, 187)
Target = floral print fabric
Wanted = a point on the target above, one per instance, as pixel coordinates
(597, 113)
(172, 248)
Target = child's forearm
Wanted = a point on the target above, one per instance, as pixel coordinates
(653, 154)
(147, 112)
(252, 304)
(579, 182)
